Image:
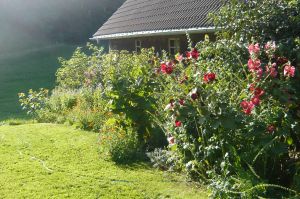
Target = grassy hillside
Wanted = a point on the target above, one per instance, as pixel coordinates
(24, 70)
(53, 161)
(28, 24)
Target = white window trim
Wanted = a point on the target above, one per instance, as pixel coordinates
(138, 46)
(176, 48)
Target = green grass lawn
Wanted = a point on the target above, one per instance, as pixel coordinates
(21, 71)
(54, 161)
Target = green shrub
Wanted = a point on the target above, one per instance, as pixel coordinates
(120, 139)
(230, 108)
(129, 84)
(231, 119)
(80, 70)
(33, 101)
(163, 159)
(91, 85)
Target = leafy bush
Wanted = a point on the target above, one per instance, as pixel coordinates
(79, 71)
(94, 88)
(121, 140)
(129, 83)
(229, 108)
(230, 114)
(163, 159)
(33, 101)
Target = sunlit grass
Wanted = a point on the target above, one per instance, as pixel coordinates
(54, 161)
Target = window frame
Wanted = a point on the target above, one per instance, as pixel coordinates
(138, 48)
(175, 48)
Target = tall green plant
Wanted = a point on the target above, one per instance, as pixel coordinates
(229, 112)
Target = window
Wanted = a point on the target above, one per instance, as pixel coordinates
(138, 45)
(174, 46)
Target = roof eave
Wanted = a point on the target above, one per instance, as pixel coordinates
(155, 33)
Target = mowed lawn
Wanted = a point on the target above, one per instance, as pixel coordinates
(55, 161)
(21, 71)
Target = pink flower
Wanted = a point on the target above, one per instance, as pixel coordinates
(209, 77)
(178, 123)
(272, 71)
(255, 100)
(179, 57)
(253, 65)
(254, 48)
(167, 68)
(289, 71)
(259, 73)
(193, 54)
(270, 45)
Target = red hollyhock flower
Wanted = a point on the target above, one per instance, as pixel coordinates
(254, 48)
(258, 92)
(178, 123)
(194, 96)
(188, 54)
(247, 107)
(193, 54)
(271, 128)
(209, 77)
(253, 65)
(252, 87)
(167, 68)
(172, 102)
(255, 100)
(244, 104)
(282, 60)
(289, 71)
(247, 111)
(181, 102)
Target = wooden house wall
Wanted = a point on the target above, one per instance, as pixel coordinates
(158, 42)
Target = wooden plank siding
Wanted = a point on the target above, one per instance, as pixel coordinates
(158, 42)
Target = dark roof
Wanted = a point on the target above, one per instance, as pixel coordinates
(152, 15)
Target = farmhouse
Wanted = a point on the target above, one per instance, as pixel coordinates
(162, 24)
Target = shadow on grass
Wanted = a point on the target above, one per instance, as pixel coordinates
(133, 165)
(17, 121)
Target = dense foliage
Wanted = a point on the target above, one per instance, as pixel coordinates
(229, 109)
(111, 93)
(229, 118)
